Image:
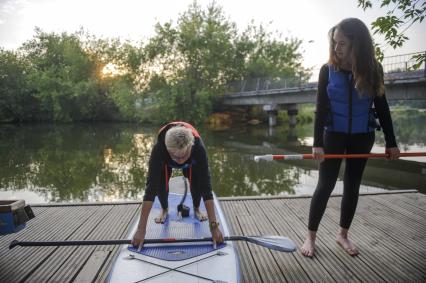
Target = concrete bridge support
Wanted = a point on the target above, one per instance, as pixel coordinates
(292, 111)
(272, 110)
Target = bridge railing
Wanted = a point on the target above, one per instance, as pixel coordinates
(395, 67)
(401, 63)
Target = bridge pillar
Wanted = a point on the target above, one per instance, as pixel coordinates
(292, 111)
(272, 110)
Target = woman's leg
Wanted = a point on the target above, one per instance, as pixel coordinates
(359, 143)
(334, 143)
(195, 194)
(328, 173)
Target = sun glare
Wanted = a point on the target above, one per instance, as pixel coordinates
(111, 70)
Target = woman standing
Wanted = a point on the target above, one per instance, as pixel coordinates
(348, 87)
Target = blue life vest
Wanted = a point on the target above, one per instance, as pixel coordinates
(349, 112)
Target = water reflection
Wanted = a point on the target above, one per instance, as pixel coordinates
(75, 162)
(108, 162)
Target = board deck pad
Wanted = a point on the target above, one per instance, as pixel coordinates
(178, 228)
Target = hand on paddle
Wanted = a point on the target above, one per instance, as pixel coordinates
(217, 236)
(392, 153)
(138, 239)
(318, 154)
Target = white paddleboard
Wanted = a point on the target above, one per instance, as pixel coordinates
(178, 262)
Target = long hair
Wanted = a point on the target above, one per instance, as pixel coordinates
(367, 71)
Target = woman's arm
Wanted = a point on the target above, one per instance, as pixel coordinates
(382, 108)
(154, 178)
(322, 107)
(202, 180)
(139, 237)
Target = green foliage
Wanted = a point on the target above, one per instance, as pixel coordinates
(194, 59)
(203, 53)
(16, 100)
(61, 76)
(401, 15)
(267, 56)
(177, 74)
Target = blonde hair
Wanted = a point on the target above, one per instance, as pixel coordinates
(179, 138)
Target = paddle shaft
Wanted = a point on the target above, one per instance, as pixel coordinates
(117, 242)
(310, 156)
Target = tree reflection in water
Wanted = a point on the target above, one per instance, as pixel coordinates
(109, 162)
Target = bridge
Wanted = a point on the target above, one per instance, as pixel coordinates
(401, 83)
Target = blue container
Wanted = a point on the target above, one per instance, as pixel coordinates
(12, 216)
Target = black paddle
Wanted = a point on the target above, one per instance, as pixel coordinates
(277, 243)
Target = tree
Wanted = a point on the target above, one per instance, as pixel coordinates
(189, 64)
(193, 60)
(61, 76)
(393, 27)
(16, 100)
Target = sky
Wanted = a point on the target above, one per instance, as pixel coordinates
(308, 20)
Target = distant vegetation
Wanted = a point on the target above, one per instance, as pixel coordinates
(176, 74)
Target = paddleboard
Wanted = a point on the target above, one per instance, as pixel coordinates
(178, 262)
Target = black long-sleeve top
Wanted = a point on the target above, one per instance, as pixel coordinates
(160, 157)
(323, 110)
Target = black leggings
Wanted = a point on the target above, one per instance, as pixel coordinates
(339, 143)
(163, 194)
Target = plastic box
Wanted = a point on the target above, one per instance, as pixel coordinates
(13, 216)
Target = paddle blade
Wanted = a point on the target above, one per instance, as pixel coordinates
(277, 243)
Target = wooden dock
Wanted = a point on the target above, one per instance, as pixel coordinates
(389, 230)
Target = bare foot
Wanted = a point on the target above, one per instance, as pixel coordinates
(308, 248)
(161, 218)
(347, 245)
(199, 215)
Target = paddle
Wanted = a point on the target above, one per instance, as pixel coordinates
(277, 243)
(270, 157)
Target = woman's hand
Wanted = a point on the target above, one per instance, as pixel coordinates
(318, 154)
(392, 153)
(216, 236)
(138, 239)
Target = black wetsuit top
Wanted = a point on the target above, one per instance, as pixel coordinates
(196, 169)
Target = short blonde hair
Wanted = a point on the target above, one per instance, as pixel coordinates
(179, 137)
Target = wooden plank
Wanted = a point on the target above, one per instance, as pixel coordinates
(92, 267)
(249, 270)
(385, 222)
(57, 260)
(411, 219)
(335, 193)
(391, 239)
(407, 213)
(109, 227)
(375, 252)
(327, 236)
(288, 224)
(103, 273)
(330, 220)
(288, 263)
(266, 265)
(397, 238)
(418, 200)
(6, 239)
(22, 261)
(326, 250)
(68, 204)
(388, 230)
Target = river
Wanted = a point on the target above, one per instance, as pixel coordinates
(44, 163)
